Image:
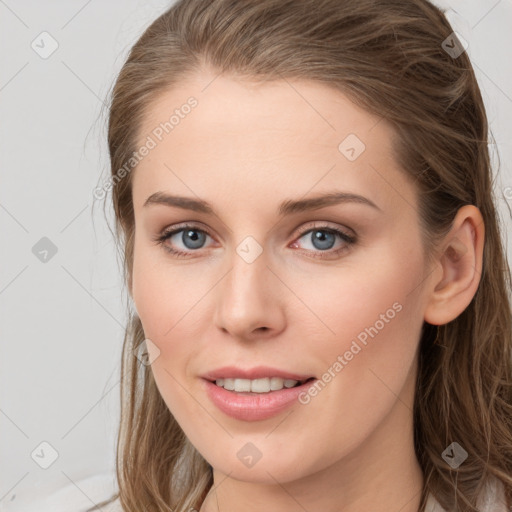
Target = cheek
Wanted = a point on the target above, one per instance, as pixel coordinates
(377, 293)
(160, 300)
(165, 307)
(170, 301)
(161, 293)
(374, 320)
(367, 363)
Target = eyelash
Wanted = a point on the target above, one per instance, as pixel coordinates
(166, 234)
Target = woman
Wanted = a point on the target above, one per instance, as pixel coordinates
(321, 309)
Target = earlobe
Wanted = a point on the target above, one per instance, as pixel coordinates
(460, 267)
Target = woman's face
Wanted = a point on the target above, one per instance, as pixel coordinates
(275, 284)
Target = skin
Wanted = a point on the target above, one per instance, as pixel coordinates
(245, 148)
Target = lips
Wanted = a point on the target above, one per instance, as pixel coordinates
(258, 372)
(254, 406)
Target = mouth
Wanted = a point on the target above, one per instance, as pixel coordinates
(254, 399)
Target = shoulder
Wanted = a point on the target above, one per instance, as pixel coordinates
(79, 495)
(433, 505)
(114, 506)
(492, 500)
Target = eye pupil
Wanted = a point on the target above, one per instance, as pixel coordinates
(320, 237)
(196, 236)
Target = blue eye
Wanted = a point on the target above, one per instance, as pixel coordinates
(192, 238)
(323, 239)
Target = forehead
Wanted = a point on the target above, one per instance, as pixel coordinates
(285, 137)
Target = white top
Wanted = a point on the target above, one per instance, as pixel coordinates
(493, 500)
(72, 497)
(88, 492)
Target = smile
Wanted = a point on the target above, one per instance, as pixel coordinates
(255, 405)
(264, 385)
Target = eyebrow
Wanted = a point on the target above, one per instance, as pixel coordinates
(286, 208)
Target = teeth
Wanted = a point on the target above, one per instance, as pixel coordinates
(263, 385)
(242, 385)
(260, 385)
(229, 384)
(276, 383)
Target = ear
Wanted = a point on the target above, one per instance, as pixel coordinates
(459, 264)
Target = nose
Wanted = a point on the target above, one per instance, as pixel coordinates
(250, 300)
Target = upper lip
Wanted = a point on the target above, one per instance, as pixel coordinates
(257, 372)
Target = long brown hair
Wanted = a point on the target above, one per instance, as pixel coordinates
(392, 59)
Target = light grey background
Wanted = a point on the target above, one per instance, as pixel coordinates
(62, 320)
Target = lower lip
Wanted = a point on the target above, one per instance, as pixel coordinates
(254, 406)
